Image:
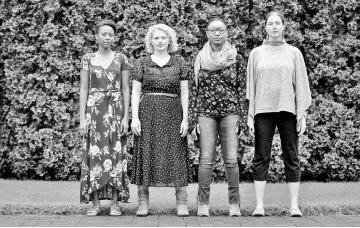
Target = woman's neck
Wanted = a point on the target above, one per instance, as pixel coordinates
(216, 48)
(273, 42)
(275, 39)
(161, 54)
(104, 51)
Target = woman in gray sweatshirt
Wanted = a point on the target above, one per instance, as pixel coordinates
(279, 94)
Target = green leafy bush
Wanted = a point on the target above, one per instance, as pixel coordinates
(42, 43)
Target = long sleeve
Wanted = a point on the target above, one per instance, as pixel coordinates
(241, 90)
(250, 85)
(193, 110)
(302, 88)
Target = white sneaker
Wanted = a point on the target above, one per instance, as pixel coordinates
(203, 210)
(295, 212)
(258, 212)
(182, 210)
(234, 210)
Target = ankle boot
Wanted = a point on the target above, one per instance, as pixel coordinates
(143, 195)
(181, 202)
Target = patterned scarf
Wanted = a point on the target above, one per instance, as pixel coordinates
(207, 60)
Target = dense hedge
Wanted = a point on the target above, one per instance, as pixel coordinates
(42, 42)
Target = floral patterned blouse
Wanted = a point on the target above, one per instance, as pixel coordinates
(219, 93)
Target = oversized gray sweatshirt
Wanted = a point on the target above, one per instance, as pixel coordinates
(277, 80)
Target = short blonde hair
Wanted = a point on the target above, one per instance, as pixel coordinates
(173, 45)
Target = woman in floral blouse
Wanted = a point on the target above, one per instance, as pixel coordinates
(217, 107)
(104, 117)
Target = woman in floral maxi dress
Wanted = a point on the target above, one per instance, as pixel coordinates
(104, 116)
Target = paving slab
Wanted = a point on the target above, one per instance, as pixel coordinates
(329, 221)
(303, 222)
(249, 221)
(174, 221)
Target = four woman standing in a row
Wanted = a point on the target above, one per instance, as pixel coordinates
(276, 87)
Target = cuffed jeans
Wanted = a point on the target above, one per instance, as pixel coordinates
(210, 129)
(265, 124)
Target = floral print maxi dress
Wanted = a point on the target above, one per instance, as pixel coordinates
(104, 161)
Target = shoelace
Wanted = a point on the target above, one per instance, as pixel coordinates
(114, 206)
(95, 206)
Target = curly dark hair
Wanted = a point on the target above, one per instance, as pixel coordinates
(107, 22)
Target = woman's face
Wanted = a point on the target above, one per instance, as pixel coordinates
(105, 36)
(274, 27)
(217, 32)
(160, 40)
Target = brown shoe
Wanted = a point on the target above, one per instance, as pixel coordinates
(143, 210)
(143, 195)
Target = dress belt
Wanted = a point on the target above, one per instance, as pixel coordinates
(163, 94)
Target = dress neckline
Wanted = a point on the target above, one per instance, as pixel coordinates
(152, 63)
(112, 60)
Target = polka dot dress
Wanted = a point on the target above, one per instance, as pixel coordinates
(160, 153)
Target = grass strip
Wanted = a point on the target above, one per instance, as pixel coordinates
(62, 198)
(8, 209)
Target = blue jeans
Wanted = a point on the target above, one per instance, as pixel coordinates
(210, 129)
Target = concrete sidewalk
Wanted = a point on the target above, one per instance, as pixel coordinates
(174, 221)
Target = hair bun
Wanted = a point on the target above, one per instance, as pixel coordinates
(215, 16)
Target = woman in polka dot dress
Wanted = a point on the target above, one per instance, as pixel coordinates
(160, 119)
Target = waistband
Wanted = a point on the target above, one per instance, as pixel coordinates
(105, 91)
(163, 94)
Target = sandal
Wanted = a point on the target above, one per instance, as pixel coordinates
(114, 209)
(94, 210)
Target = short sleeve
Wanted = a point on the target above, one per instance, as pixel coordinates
(85, 62)
(124, 63)
(184, 69)
(137, 72)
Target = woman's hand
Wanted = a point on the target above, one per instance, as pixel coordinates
(184, 128)
(197, 128)
(250, 124)
(237, 131)
(301, 125)
(124, 126)
(136, 127)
